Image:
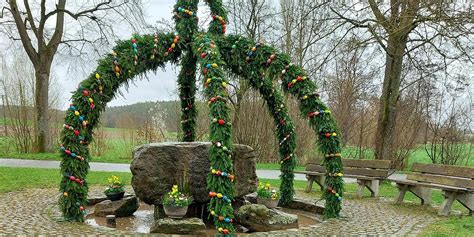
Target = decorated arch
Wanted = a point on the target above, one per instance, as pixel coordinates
(213, 54)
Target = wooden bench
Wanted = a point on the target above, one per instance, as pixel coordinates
(367, 172)
(456, 182)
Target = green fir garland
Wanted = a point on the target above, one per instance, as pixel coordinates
(257, 75)
(186, 25)
(220, 186)
(256, 62)
(89, 101)
(251, 58)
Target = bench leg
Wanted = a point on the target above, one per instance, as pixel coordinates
(360, 188)
(445, 208)
(423, 193)
(467, 200)
(320, 181)
(309, 186)
(402, 190)
(373, 186)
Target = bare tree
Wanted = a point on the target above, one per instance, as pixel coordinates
(17, 87)
(252, 19)
(405, 29)
(351, 87)
(31, 23)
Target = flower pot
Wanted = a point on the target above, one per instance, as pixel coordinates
(268, 202)
(115, 196)
(175, 212)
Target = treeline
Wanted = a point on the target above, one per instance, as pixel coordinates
(114, 117)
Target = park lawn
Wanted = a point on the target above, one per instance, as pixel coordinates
(17, 179)
(116, 150)
(417, 155)
(452, 226)
(273, 166)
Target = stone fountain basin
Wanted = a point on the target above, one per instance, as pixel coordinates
(142, 220)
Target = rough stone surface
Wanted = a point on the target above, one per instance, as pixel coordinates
(121, 208)
(92, 200)
(305, 205)
(157, 166)
(178, 226)
(36, 212)
(257, 217)
(297, 203)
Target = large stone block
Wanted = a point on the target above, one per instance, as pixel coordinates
(121, 208)
(157, 166)
(194, 226)
(257, 217)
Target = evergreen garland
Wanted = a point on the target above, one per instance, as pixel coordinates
(254, 60)
(258, 63)
(90, 99)
(186, 25)
(257, 75)
(221, 187)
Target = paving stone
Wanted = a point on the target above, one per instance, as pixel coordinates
(36, 213)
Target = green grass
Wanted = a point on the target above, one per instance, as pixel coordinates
(453, 226)
(272, 166)
(17, 179)
(417, 155)
(116, 150)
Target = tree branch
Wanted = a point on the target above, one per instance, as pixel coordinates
(25, 38)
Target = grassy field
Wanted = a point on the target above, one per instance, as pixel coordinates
(114, 149)
(417, 155)
(17, 179)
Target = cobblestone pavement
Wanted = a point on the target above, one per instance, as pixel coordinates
(35, 211)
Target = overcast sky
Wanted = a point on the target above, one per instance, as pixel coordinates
(159, 86)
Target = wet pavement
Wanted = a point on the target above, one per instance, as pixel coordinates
(35, 212)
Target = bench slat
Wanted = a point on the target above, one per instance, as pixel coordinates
(365, 172)
(449, 170)
(429, 185)
(376, 164)
(360, 177)
(444, 180)
(315, 168)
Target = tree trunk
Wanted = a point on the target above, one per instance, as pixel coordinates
(43, 134)
(385, 138)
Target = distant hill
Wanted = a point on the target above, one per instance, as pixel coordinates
(126, 116)
(138, 113)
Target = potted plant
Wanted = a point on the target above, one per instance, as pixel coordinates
(115, 190)
(267, 196)
(176, 203)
